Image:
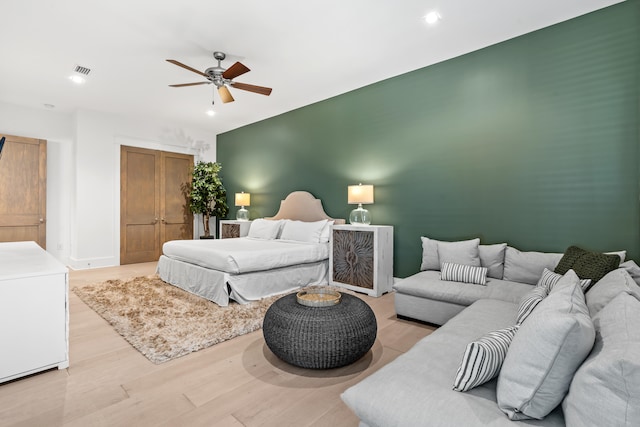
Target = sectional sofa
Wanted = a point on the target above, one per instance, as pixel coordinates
(570, 358)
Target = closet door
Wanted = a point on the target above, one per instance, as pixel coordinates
(23, 190)
(176, 220)
(153, 202)
(139, 205)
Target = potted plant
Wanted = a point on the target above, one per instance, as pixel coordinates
(207, 195)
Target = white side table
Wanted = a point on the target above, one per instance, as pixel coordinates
(34, 310)
(361, 258)
(230, 228)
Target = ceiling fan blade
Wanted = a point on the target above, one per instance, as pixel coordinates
(190, 84)
(225, 95)
(235, 70)
(186, 67)
(252, 88)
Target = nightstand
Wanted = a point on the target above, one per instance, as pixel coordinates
(233, 228)
(361, 258)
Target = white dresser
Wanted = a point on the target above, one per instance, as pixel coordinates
(34, 311)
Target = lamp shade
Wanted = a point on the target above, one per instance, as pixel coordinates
(243, 199)
(360, 194)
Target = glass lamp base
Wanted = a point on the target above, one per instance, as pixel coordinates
(242, 214)
(360, 216)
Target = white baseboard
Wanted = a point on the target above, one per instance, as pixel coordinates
(87, 263)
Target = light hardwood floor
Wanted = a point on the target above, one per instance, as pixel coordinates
(235, 383)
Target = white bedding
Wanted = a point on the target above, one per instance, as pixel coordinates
(245, 254)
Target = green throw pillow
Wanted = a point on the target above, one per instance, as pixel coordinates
(587, 264)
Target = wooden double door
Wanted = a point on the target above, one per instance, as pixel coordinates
(23, 190)
(154, 205)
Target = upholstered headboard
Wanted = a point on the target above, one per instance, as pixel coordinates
(303, 206)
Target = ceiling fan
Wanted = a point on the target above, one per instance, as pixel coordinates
(223, 77)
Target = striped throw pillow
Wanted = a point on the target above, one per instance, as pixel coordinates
(463, 273)
(529, 302)
(483, 359)
(549, 279)
(546, 283)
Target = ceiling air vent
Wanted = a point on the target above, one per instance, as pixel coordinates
(82, 70)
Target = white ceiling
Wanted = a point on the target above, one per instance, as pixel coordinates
(306, 50)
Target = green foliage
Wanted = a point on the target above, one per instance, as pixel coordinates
(208, 196)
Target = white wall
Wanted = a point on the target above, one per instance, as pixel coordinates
(83, 173)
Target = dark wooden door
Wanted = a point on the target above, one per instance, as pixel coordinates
(153, 202)
(23, 190)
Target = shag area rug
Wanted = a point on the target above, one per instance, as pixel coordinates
(164, 322)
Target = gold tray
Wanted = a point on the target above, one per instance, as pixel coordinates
(318, 297)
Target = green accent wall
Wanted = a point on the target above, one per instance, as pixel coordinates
(533, 141)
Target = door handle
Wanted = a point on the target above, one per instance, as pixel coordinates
(155, 221)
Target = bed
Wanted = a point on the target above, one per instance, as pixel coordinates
(280, 254)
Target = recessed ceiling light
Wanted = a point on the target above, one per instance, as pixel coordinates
(77, 79)
(211, 113)
(432, 17)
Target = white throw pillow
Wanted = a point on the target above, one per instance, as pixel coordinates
(264, 229)
(325, 236)
(301, 231)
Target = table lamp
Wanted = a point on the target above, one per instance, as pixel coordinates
(243, 199)
(360, 194)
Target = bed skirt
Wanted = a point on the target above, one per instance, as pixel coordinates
(209, 284)
(220, 287)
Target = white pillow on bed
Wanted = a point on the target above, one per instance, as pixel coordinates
(303, 231)
(326, 232)
(264, 229)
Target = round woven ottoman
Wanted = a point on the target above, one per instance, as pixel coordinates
(319, 337)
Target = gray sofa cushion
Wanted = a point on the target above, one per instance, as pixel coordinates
(605, 390)
(609, 287)
(427, 284)
(430, 260)
(416, 389)
(545, 353)
(492, 257)
(633, 270)
(460, 252)
(527, 267)
(465, 252)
